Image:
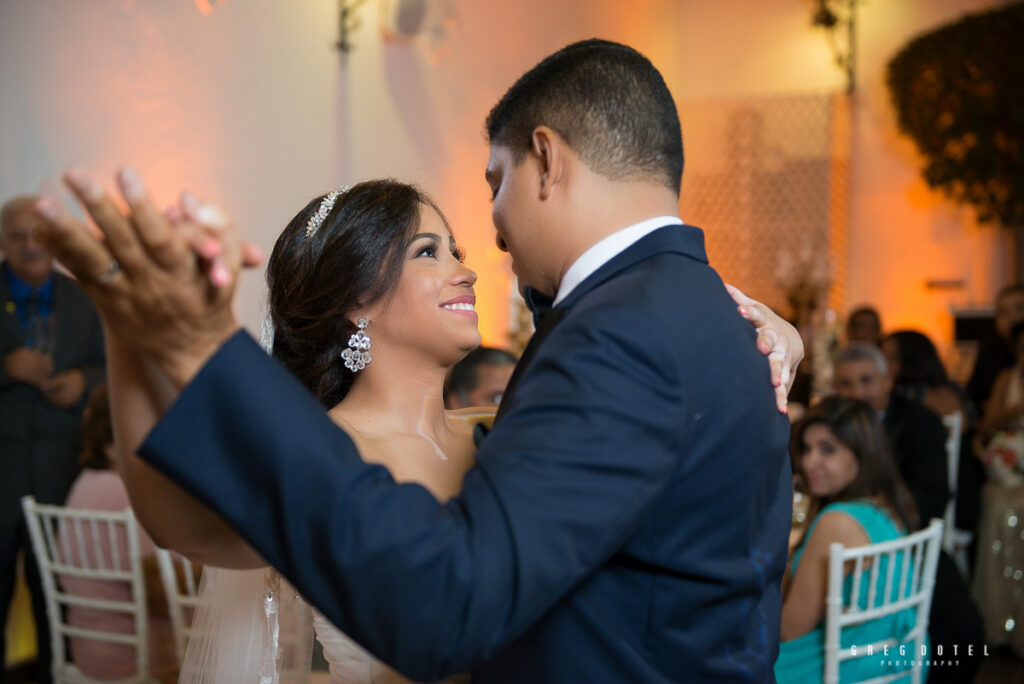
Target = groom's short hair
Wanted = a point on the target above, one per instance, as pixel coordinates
(609, 103)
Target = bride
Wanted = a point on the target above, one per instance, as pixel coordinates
(370, 304)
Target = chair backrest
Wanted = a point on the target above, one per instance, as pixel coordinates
(71, 545)
(954, 423)
(181, 588)
(909, 564)
(955, 541)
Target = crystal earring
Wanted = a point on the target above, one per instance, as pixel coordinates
(358, 353)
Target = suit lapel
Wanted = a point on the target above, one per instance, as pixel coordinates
(65, 326)
(544, 327)
(687, 240)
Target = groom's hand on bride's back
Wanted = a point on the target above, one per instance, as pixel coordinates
(143, 273)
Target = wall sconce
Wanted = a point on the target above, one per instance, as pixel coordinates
(427, 23)
(839, 19)
(348, 22)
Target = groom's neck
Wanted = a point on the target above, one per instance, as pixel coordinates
(603, 206)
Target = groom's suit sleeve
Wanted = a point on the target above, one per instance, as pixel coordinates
(587, 445)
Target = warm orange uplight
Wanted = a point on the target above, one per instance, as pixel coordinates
(205, 7)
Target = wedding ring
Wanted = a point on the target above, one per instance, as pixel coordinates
(109, 274)
(778, 354)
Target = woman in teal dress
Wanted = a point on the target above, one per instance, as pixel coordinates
(841, 457)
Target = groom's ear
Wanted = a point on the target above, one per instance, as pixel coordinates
(549, 148)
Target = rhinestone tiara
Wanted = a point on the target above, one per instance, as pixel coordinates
(326, 204)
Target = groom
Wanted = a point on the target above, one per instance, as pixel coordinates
(628, 516)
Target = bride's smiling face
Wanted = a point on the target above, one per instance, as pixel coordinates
(433, 306)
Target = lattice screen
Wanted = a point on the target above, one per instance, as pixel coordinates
(768, 181)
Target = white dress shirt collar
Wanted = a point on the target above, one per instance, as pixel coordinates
(607, 249)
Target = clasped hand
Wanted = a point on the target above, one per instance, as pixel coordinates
(33, 367)
(161, 281)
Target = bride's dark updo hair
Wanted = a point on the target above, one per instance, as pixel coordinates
(354, 259)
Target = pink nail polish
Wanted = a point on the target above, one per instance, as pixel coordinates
(220, 275)
(210, 249)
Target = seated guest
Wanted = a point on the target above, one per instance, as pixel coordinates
(480, 378)
(1000, 561)
(1005, 409)
(99, 488)
(842, 459)
(918, 374)
(864, 325)
(917, 439)
(996, 352)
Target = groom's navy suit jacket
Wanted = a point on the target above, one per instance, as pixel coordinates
(627, 520)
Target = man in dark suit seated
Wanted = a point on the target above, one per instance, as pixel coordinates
(480, 378)
(628, 517)
(52, 350)
(918, 441)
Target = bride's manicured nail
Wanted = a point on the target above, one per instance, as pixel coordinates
(255, 253)
(220, 275)
(210, 248)
(131, 184)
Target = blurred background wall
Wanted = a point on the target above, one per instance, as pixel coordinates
(249, 104)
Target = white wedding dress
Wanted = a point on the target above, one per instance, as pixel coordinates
(252, 626)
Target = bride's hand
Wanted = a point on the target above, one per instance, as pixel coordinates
(204, 228)
(143, 276)
(776, 338)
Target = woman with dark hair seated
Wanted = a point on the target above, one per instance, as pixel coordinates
(1005, 408)
(918, 374)
(842, 459)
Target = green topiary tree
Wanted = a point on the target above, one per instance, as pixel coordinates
(959, 94)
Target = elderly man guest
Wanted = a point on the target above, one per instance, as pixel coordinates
(52, 349)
